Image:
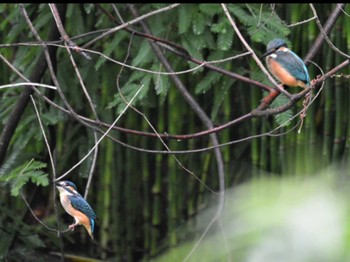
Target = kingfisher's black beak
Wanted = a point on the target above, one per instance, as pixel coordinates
(268, 52)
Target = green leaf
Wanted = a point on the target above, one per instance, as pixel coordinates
(144, 55)
(161, 85)
(206, 83)
(285, 117)
(193, 51)
(109, 48)
(209, 39)
(225, 39)
(43, 20)
(197, 41)
(219, 98)
(198, 24)
(219, 27)
(78, 26)
(20, 176)
(185, 18)
(129, 90)
(210, 9)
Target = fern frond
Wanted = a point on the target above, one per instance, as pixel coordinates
(185, 17)
(284, 118)
(20, 176)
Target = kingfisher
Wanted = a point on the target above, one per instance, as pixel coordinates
(285, 65)
(76, 206)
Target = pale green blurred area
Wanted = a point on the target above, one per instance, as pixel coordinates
(271, 219)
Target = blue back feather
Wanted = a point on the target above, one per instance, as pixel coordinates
(92, 222)
(290, 61)
(78, 202)
(294, 65)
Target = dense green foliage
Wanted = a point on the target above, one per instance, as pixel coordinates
(142, 195)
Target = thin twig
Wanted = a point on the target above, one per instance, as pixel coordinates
(54, 79)
(93, 109)
(82, 85)
(52, 166)
(302, 22)
(103, 136)
(23, 100)
(93, 165)
(44, 136)
(136, 20)
(31, 84)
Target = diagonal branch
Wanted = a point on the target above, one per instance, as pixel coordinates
(324, 33)
(326, 29)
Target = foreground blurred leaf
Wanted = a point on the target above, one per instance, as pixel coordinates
(277, 219)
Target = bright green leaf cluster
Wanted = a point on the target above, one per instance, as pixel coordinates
(20, 176)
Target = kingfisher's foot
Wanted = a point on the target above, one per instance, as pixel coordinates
(71, 227)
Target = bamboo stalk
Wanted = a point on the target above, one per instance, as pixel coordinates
(338, 140)
(328, 124)
(106, 195)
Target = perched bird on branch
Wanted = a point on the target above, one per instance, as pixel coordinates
(76, 206)
(285, 65)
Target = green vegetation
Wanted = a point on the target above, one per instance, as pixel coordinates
(156, 177)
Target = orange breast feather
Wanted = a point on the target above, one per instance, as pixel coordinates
(80, 217)
(283, 75)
